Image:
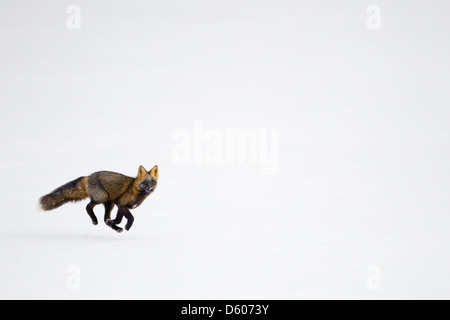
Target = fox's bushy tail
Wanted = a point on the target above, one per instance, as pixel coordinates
(72, 191)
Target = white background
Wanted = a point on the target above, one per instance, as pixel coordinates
(364, 148)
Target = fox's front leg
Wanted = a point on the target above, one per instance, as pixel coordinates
(112, 225)
(123, 211)
(119, 217)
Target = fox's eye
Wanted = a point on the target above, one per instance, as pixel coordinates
(145, 182)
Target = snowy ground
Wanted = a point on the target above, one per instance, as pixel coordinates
(358, 208)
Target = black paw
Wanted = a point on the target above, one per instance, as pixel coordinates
(112, 225)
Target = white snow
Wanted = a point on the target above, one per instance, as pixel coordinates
(359, 207)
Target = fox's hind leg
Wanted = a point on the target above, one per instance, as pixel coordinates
(108, 208)
(90, 211)
(111, 223)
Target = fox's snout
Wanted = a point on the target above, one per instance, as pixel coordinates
(149, 186)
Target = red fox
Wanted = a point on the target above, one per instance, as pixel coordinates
(107, 188)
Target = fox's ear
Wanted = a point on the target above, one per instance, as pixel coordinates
(154, 172)
(142, 172)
